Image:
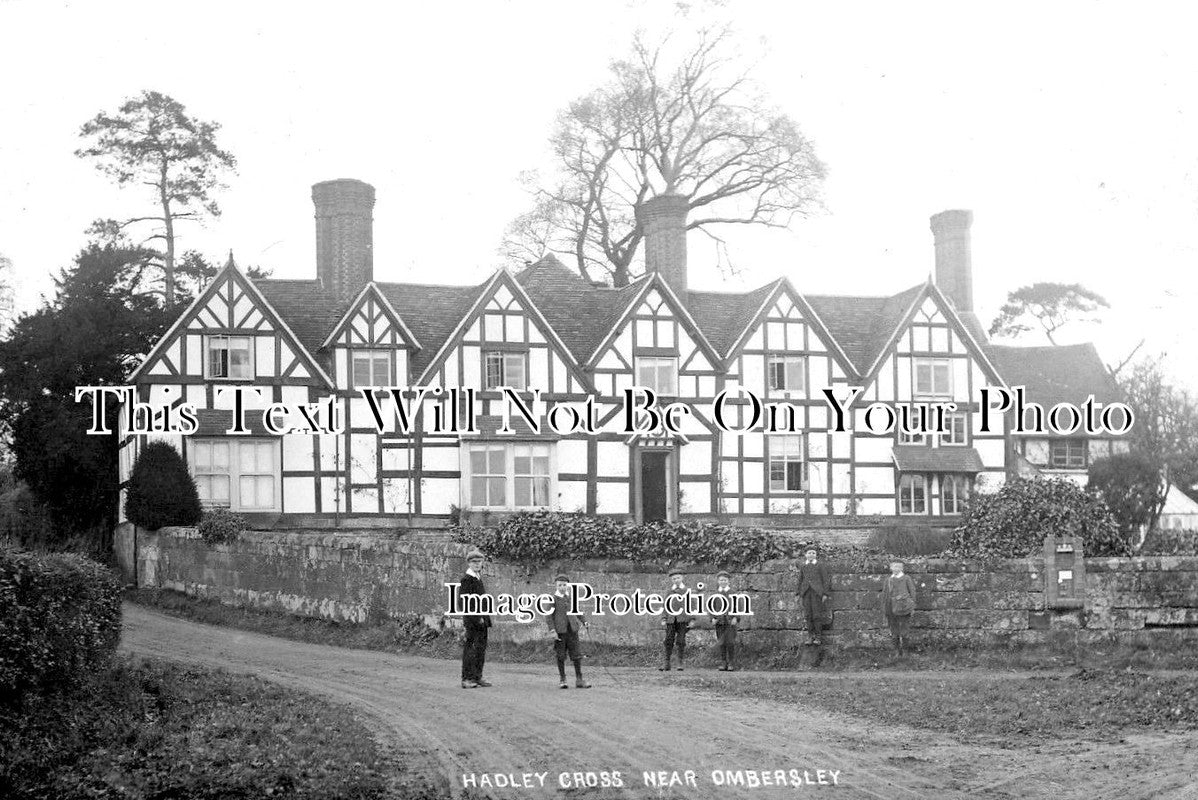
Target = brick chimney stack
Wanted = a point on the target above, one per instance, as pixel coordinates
(344, 235)
(954, 263)
(663, 220)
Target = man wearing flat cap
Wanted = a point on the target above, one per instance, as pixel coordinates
(565, 627)
(474, 652)
(725, 624)
(676, 625)
(815, 584)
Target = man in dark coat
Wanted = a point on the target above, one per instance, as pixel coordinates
(565, 628)
(676, 625)
(725, 625)
(814, 586)
(474, 652)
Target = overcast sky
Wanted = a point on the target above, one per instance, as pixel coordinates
(1070, 129)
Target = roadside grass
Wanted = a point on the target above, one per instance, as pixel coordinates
(1006, 711)
(156, 729)
(412, 636)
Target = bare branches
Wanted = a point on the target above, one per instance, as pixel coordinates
(697, 129)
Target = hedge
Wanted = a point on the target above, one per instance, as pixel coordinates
(542, 536)
(60, 619)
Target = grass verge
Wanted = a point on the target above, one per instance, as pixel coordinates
(999, 710)
(156, 729)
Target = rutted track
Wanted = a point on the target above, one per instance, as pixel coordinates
(634, 721)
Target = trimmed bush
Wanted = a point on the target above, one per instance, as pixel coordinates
(220, 525)
(541, 536)
(60, 620)
(1013, 522)
(161, 490)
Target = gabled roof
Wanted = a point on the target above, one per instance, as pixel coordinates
(1055, 374)
(432, 311)
(308, 308)
(724, 316)
(863, 325)
(393, 316)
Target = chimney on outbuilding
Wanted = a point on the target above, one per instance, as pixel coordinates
(344, 235)
(663, 221)
(954, 263)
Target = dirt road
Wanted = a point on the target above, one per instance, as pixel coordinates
(635, 722)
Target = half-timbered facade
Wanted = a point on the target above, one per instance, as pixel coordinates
(774, 354)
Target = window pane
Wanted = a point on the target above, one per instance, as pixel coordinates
(523, 465)
(494, 364)
(540, 492)
(496, 491)
(496, 461)
(203, 456)
(777, 373)
(514, 370)
(246, 461)
(923, 378)
(266, 491)
(523, 491)
(220, 457)
(382, 369)
(478, 491)
(478, 462)
(361, 370)
(794, 475)
(540, 465)
(220, 489)
(794, 374)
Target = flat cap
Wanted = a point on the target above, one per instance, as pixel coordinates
(475, 553)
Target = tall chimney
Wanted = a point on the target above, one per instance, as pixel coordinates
(663, 220)
(344, 235)
(954, 263)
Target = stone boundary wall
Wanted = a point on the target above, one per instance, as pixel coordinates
(361, 575)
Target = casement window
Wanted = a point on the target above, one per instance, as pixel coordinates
(229, 357)
(506, 368)
(658, 373)
(371, 367)
(786, 463)
(916, 417)
(933, 377)
(913, 494)
(242, 474)
(1067, 454)
(955, 425)
(509, 476)
(954, 491)
(785, 373)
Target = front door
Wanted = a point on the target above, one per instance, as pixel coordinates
(654, 494)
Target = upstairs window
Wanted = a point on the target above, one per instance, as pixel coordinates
(371, 367)
(1067, 454)
(785, 373)
(658, 373)
(954, 432)
(933, 377)
(229, 357)
(506, 368)
(786, 463)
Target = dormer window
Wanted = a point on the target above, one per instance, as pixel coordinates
(371, 367)
(786, 373)
(658, 373)
(933, 377)
(229, 357)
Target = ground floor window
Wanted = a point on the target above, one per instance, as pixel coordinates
(954, 491)
(1067, 453)
(913, 494)
(515, 475)
(242, 474)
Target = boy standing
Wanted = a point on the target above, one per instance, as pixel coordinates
(725, 625)
(814, 585)
(675, 624)
(474, 652)
(898, 603)
(565, 627)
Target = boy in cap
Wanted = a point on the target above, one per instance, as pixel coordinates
(725, 625)
(474, 652)
(565, 627)
(814, 586)
(675, 624)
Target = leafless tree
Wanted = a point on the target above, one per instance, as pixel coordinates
(698, 128)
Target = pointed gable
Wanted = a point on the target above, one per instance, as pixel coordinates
(370, 319)
(863, 326)
(653, 294)
(232, 304)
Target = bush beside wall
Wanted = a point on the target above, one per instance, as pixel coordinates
(60, 620)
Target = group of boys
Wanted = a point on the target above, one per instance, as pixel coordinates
(815, 584)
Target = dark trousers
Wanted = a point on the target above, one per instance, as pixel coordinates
(567, 644)
(813, 610)
(725, 636)
(898, 625)
(675, 632)
(474, 653)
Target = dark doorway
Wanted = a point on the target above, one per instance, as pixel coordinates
(653, 487)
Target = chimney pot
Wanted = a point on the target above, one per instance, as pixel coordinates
(344, 235)
(954, 260)
(663, 221)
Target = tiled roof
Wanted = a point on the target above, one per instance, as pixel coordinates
(432, 312)
(920, 458)
(1055, 374)
(723, 317)
(307, 309)
(862, 325)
